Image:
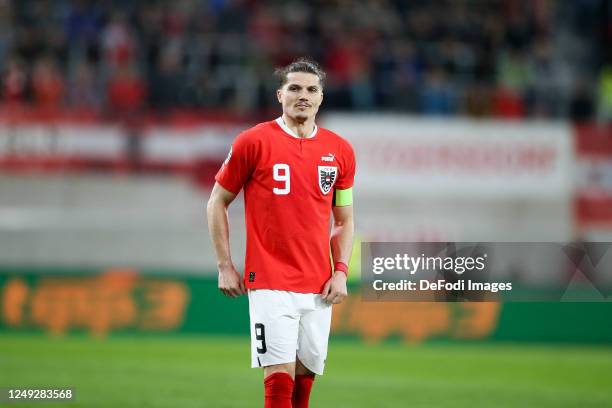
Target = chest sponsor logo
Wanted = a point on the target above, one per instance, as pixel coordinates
(327, 178)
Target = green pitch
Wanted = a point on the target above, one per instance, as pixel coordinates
(214, 372)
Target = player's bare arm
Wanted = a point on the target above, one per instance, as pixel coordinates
(230, 281)
(341, 247)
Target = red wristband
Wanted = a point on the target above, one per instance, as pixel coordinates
(342, 267)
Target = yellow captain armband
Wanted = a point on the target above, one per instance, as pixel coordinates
(343, 197)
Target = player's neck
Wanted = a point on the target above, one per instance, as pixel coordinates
(302, 129)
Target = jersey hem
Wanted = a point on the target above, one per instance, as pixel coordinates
(286, 289)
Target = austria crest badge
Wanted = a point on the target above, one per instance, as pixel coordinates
(327, 178)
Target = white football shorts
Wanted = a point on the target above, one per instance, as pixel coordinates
(285, 324)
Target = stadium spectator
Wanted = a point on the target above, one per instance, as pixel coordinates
(84, 90)
(582, 107)
(167, 81)
(14, 83)
(47, 84)
(118, 42)
(477, 102)
(6, 29)
(438, 95)
(544, 87)
(508, 104)
(605, 94)
(126, 91)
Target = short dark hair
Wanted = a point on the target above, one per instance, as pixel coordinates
(302, 64)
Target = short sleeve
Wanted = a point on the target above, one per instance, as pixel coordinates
(239, 164)
(347, 169)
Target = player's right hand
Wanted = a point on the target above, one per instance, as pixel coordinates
(230, 282)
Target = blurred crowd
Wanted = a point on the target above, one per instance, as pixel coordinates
(503, 58)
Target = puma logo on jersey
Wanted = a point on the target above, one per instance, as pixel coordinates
(329, 158)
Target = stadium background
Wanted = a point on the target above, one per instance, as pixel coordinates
(471, 121)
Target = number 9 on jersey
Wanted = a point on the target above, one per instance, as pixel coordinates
(281, 172)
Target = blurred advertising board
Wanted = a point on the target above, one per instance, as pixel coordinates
(34, 146)
(397, 154)
(410, 156)
(115, 301)
(434, 179)
(58, 146)
(593, 200)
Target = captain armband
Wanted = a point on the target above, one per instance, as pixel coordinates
(343, 197)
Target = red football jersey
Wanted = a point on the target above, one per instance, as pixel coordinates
(288, 186)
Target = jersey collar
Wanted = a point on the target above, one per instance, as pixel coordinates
(291, 133)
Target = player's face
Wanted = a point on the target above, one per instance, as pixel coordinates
(301, 96)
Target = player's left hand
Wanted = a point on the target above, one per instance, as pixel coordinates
(334, 291)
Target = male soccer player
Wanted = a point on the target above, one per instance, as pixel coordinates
(294, 175)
